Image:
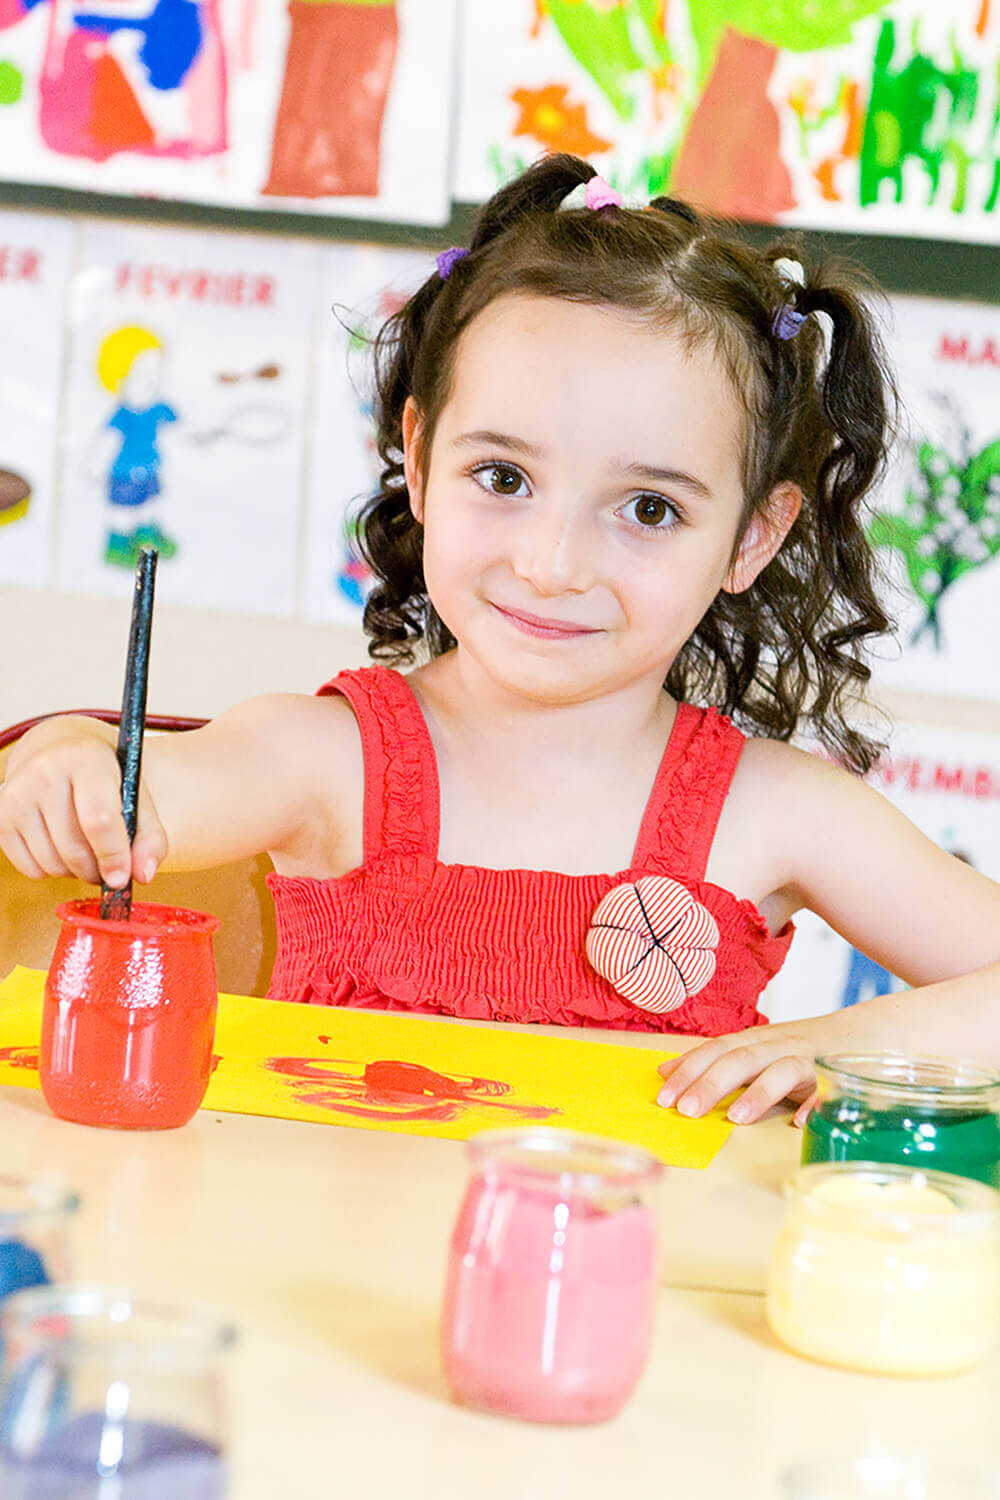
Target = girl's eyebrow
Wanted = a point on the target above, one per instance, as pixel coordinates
(482, 438)
(668, 476)
(486, 438)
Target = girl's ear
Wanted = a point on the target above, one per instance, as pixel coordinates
(764, 536)
(413, 457)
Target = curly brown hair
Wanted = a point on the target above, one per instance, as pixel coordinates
(784, 656)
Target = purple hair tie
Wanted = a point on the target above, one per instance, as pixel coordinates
(447, 259)
(786, 322)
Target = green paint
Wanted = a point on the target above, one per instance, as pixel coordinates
(615, 46)
(11, 83)
(950, 523)
(847, 1130)
(921, 111)
(794, 25)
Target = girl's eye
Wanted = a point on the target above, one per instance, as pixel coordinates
(653, 512)
(500, 479)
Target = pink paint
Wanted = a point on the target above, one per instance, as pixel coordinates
(11, 12)
(128, 1017)
(550, 1297)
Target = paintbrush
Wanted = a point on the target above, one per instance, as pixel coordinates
(116, 904)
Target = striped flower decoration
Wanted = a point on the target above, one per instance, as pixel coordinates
(654, 942)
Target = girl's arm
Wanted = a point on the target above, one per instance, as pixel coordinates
(860, 864)
(280, 774)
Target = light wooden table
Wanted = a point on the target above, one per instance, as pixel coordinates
(327, 1247)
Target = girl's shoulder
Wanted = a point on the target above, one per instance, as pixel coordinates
(787, 777)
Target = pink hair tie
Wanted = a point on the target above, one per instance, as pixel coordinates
(600, 194)
(446, 260)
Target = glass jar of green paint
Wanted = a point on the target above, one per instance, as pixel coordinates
(933, 1112)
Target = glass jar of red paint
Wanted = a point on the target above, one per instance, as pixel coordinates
(551, 1289)
(128, 1018)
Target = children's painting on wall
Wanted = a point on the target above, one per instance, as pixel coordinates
(273, 104)
(936, 521)
(853, 114)
(948, 783)
(186, 411)
(35, 255)
(363, 285)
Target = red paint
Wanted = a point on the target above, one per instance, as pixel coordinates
(20, 1057)
(117, 123)
(128, 1018)
(388, 1090)
(338, 71)
(730, 160)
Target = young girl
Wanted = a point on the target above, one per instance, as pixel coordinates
(624, 456)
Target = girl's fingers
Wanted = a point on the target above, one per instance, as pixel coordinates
(17, 852)
(714, 1070)
(98, 808)
(788, 1076)
(681, 1072)
(59, 812)
(667, 1068)
(40, 844)
(805, 1110)
(150, 845)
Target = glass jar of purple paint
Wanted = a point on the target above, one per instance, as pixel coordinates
(105, 1393)
(35, 1219)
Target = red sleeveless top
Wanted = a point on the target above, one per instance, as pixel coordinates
(405, 932)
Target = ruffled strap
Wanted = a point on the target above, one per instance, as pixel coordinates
(402, 812)
(684, 807)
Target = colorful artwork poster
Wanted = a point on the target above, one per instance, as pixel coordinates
(936, 521)
(185, 414)
(947, 782)
(877, 115)
(318, 106)
(363, 286)
(35, 258)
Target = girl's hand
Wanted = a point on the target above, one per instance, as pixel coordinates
(60, 808)
(776, 1062)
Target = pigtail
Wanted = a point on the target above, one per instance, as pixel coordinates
(389, 537)
(541, 189)
(858, 400)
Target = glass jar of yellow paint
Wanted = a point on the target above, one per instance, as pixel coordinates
(888, 1269)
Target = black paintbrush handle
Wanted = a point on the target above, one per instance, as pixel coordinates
(116, 904)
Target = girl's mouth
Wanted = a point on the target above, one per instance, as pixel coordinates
(553, 630)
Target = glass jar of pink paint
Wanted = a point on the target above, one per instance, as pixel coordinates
(551, 1289)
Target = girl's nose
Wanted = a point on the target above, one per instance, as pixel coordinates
(553, 555)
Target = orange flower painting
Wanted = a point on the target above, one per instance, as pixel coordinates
(548, 116)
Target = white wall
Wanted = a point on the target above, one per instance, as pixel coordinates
(62, 651)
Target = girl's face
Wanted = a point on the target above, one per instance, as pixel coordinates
(582, 498)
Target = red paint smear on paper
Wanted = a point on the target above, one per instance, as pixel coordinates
(730, 161)
(20, 1057)
(390, 1090)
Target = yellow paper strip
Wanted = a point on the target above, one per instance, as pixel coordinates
(380, 1071)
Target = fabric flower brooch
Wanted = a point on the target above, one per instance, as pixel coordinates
(654, 942)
